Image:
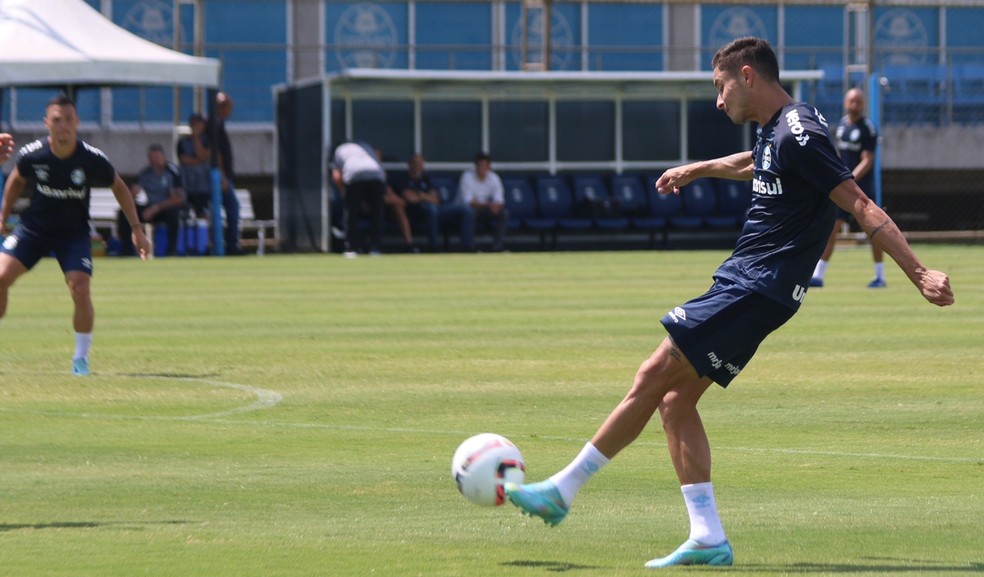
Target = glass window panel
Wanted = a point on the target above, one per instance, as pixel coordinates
(651, 130)
(585, 130)
(452, 130)
(518, 131)
(385, 124)
(712, 134)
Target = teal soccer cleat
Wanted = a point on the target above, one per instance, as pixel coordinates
(541, 500)
(693, 553)
(80, 367)
(877, 283)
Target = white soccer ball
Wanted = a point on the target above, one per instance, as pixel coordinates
(482, 464)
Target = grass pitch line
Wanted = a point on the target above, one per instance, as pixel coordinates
(265, 399)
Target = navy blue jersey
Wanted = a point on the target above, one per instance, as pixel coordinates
(59, 187)
(853, 138)
(796, 168)
(419, 184)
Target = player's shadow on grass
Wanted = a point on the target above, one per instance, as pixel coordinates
(551, 566)
(6, 527)
(171, 376)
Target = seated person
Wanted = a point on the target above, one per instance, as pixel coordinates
(482, 190)
(161, 181)
(424, 203)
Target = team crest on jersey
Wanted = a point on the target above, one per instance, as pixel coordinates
(41, 171)
(78, 177)
(766, 157)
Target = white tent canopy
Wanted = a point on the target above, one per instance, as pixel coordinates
(66, 42)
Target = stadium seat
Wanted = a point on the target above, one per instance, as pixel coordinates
(733, 199)
(592, 200)
(520, 201)
(916, 93)
(968, 93)
(661, 208)
(627, 190)
(447, 187)
(699, 200)
(556, 201)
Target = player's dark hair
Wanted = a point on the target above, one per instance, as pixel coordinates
(61, 100)
(483, 156)
(754, 52)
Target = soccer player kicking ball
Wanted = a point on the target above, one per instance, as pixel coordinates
(796, 173)
(60, 170)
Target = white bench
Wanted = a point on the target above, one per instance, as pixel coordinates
(103, 208)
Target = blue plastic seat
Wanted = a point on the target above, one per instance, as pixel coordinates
(520, 201)
(661, 208)
(699, 200)
(917, 93)
(733, 200)
(627, 190)
(592, 200)
(968, 93)
(447, 187)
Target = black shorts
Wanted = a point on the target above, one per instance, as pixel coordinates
(74, 253)
(720, 330)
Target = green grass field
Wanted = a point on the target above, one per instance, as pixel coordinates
(296, 416)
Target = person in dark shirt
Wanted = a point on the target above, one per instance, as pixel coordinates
(795, 173)
(59, 171)
(856, 138)
(223, 110)
(423, 202)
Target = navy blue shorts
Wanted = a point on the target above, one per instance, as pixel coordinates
(72, 253)
(720, 330)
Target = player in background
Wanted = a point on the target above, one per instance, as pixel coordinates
(856, 138)
(796, 173)
(59, 171)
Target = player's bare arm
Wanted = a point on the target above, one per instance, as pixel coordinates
(739, 166)
(884, 233)
(6, 146)
(11, 192)
(124, 197)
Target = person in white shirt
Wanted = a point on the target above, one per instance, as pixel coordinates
(482, 190)
(362, 181)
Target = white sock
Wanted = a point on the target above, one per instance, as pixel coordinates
(83, 341)
(569, 481)
(820, 270)
(880, 270)
(705, 525)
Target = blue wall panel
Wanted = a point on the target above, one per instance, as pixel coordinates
(457, 36)
(722, 24)
(625, 37)
(366, 35)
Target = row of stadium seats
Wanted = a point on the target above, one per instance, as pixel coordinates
(916, 94)
(549, 205)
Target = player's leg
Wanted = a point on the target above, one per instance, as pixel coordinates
(75, 258)
(665, 370)
(19, 253)
(398, 207)
(828, 252)
(878, 257)
(10, 270)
